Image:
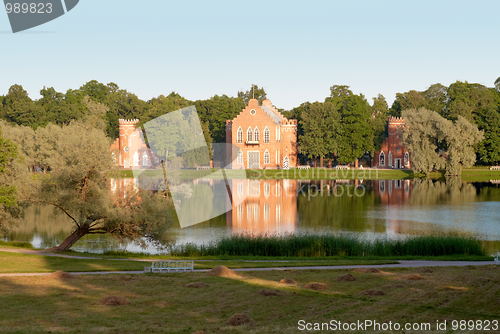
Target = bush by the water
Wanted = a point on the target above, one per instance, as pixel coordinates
(333, 245)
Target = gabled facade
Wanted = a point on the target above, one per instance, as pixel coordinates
(129, 149)
(265, 138)
(393, 153)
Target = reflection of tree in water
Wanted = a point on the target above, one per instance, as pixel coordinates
(428, 192)
(45, 222)
(338, 208)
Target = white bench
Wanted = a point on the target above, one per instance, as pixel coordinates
(304, 167)
(495, 168)
(342, 167)
(167, 266)
(203, 167)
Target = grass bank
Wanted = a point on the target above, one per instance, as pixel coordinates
(473, 174)
(162, 303)
(334, 245)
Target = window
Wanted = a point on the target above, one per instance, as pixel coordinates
(252, 112)
(136, 159)
(407, 159)
(267, 158)
(240, 157)
(240, 135)
(267, 211)
(256, 134)
(266, 135)
(381, 186)
(249, 134)
(390, 159)
(381, 159)
(145, 159)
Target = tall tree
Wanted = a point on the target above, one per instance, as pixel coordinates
(320, 122)
(378, 121)
(422, 135)
(460, 138)
(356, 134)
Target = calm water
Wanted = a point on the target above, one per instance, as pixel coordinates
(394, 208)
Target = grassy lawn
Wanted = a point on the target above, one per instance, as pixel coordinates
(159, 303)
(472, 174)
(24, 263)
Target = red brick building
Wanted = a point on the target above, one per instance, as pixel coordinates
(393, 153)
(129, 148)
(265, 138)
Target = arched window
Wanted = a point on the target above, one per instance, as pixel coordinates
(240, 157)
(390, 159)
(239, 135)
(136, 159)
(267, 158)
(381, 159)
(145, 159)
(249, 134)
(256, 134)
(266, 135)
(407, 159)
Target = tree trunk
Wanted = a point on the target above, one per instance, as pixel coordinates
(321, 161)
(71, 240)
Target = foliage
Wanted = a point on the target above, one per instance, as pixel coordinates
(319, 122)
(255, 92)
(426, 133)
(378, 121)
(9, 171)
(333, 245)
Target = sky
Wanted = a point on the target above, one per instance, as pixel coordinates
(296, 50)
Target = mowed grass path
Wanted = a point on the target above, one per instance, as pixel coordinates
(162, 304)
(26, 263)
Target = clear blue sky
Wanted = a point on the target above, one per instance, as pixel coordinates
(295, 49)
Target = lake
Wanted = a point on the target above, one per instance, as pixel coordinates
(370, 209)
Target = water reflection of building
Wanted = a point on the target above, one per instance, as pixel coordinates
(265, 206)
(121, 186)
(394, 193)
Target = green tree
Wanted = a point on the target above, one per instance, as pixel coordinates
(255, 92)
(460, 138)
(426, 131)
(422, 135)
(215, 111)
(356, 133)
(409, 100)
(20, 109)
(319, 122)
(378, 121)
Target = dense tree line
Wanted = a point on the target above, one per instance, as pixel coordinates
(344, 126)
